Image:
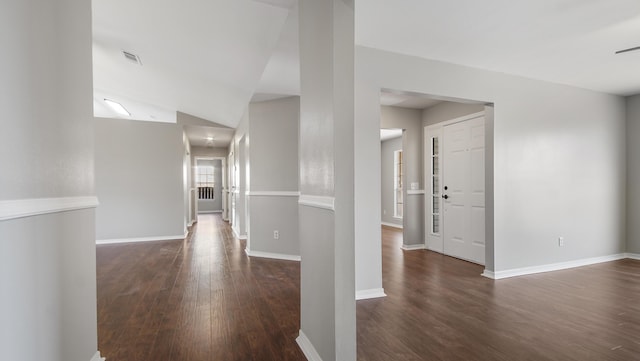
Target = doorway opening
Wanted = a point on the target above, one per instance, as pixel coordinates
(447, 172)
(391, 177)
(209, 181)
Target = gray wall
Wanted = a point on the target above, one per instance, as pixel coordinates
(46, 151)
(139, 179)
(327, 176)
(213, 152)
(633, 174)
(413, 214)
(559, 157)
(274, 173)
(388, 182)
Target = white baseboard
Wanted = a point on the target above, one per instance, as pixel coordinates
(141, 239)
(192, 223)
(238, 236)
(391, 225)
(370, 293)
(413, 247)
(635, 256)
(209, 212)
(552, 267)
(307, 347)
(286, 257)
(97, 357)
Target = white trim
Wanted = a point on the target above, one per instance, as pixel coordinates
(413, 247)
(307, 347)
(193, 221)
(141, 239)
(552, 267)
(20, 208)
(370, 293)
(97, 357)
(273, 194)
(238, 236)
(415, 191)
(391, 225)
(286, 257)
(635, 256)
(488, 274)
(460, 119)
(323, 202)
(210, 212)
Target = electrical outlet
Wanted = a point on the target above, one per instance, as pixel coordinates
(276, 234)
(560, 241)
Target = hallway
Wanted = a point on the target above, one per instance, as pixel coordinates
(195, 300)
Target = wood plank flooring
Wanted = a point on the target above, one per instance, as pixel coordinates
(203, 299)
(440, 308)
(198, 299)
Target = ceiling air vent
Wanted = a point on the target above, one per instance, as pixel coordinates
(132, 57)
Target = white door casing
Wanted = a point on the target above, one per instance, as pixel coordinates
(433, 194)
(463, 190)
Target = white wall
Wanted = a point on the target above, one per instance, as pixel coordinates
(273, 201)
(559, 163)
(448, 110)
(139, 179)
(633, 174)
(47, 258)
(389, 147)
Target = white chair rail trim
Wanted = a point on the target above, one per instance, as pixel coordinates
(323, 202)
(21, 208)
(273, 194)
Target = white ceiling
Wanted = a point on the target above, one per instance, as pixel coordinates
(407, 100)
(562, 41)
(201, 57)
(199, 136)
(386, 134)
(209, 58)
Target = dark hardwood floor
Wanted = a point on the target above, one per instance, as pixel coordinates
(198, 299)
(440, 308)
(203, 299)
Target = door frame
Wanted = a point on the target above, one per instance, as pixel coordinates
(223, 186)
(435, 242)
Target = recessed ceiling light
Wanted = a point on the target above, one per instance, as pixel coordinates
(117, 107)
(209, 138)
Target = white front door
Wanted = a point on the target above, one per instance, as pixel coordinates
(463, 190)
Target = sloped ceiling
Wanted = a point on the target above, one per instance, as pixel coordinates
(569, 42)
(200, 57)
(209, 58)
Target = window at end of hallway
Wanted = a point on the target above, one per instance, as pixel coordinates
(205, 182)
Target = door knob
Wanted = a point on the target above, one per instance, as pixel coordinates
(445, 196)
